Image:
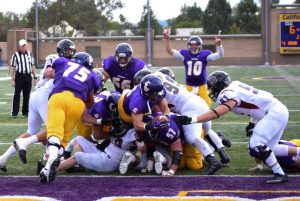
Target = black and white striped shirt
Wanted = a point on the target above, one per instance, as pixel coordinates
(23, 62)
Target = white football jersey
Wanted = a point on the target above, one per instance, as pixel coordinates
(250, 101)
(118, 146)
(176, 94)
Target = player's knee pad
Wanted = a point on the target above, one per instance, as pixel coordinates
(54, 141)
(261, 151)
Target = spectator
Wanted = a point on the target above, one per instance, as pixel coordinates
(22, 66)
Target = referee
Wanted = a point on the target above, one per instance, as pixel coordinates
(22, 66)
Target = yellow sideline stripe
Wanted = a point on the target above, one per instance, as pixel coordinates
(185, 193)
(26, 198)
(196, 198)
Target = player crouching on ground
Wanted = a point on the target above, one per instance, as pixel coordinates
(242, 99)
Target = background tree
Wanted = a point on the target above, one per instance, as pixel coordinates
(247, 17)
(217, 16)
(11, 20)
(87, 17)
(142, 25)
(297, 1)
(189, 17)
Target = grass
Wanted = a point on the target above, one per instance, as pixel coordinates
(231, 125)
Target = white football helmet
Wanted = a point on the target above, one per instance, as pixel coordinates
(50, 59)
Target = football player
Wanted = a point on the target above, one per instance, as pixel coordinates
(142, 99)
(102, 109)
(183, 102)
(37, 115)
(65, 49)
(216, 140)
(242, 99)
(162, 142)
(287, 154)
(195, 61)
(96, 158)
(122, 67)
(48, 63)
(75, 85)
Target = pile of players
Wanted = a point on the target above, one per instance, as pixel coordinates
(139, 124)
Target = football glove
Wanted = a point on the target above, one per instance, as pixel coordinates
(257, 168)
(182, 120)
(249, 129)
(156, 125)
(103, 121)
(168, 173)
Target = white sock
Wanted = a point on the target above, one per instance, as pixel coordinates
(271, 160)
(32, 139)
(277, 169)
(53, 150)
(9, 152)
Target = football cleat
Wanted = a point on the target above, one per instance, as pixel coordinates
(3, 162)
(21, 146)
(126, 160)
(225, 141)
(40, 166)
(49, 175)
(278, 178)
(214, 165)
(223, 156)
(158, 162)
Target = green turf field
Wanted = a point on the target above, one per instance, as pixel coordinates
(282, 81)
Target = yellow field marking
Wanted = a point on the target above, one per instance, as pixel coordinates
(202, 198)
(26, 198)
(196, 198)
(185, 193)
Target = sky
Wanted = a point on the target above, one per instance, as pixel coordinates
(163, 9)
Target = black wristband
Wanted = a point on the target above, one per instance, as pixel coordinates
(35, 77)
(176, 157)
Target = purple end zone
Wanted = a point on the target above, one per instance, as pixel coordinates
(92, 188)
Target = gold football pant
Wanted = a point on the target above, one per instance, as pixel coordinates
(64, 113)
(202, 92)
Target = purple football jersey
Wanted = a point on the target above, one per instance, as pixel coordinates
(122, 79)
(284, 161)
(71, 76)
(58, 66)
(135, 102)
(195, 67)
(287, 161)
(100, 108)
(169, 134)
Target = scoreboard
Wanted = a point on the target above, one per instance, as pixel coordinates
(289, 33)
